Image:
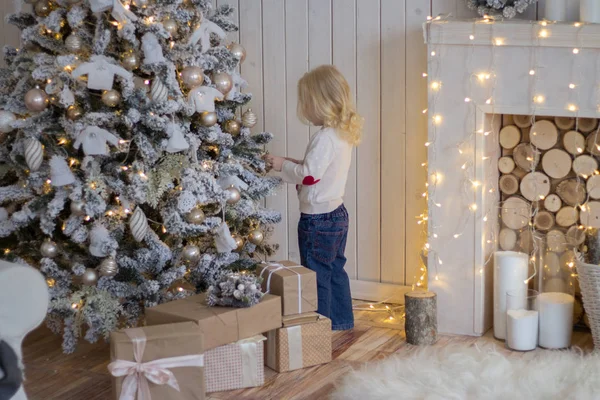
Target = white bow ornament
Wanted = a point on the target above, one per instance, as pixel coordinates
(119, 12)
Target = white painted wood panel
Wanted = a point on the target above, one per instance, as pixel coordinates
(368, 89)
(319, 36)
(344, 57)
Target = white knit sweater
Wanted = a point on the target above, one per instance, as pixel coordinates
(322, 176)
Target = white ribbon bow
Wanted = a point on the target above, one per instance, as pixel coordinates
(279, 267)
(137, 374)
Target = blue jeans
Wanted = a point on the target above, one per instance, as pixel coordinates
(322, 240)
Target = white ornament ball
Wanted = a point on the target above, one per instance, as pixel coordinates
(237, 294)
(89, 277)
(49, 249)
(111, 98)
(192, 76)
(138, 225)
(233, 195)
(158, 91)
(241, 287)
(108, 267)
(74, 43)
(191, 253)
(36, 100)
(6, 120)
(78, 208)
(34, 154)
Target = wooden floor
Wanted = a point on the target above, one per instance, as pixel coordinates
(83, 375)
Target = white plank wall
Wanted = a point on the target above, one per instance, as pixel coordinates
(378, 46)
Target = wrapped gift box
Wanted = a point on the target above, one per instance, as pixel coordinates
(296, 285)
(299, 346)
(235, 366)
(162, 350)
(300, 319)
(220, 325)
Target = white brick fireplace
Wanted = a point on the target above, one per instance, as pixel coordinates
(477, 72)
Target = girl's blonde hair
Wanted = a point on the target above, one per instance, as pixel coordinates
(324, 98)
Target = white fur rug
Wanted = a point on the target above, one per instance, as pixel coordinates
(465, 373)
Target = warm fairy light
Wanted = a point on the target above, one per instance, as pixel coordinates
(437, 278)
(424, 74)
(440, 261)
(437, 119)
(499, 41)
(435, 85)
(110, 213)
(544, 33)
(433, 54)
(471, 37)
(424, 111)
(74, 306)
(180, 289)
(127, 211)
(62, 141)
(488, 101)
(171, 44)
(464, 166)
(456, 235)
(577, 24)
(371, 306)
(124, 168)
(427, 246)
(476, 184)
(391, 318)
(571, 86)
(583, 208)
(544, 23)
(50, 282)
(93, 185)
(467, 100)
(48, 181)
(531, 72)
(427, 144)
(87, 218)
(576, 51)
(539, 99)
(473, 207)
(142, 175)
(429, 18)
(164, 229)
(146, 82)
(571, 264)
(72, 162)
(485, 218)
(572, 107)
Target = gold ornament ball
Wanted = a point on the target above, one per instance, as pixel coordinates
(78, 208)
(191, 253)
(239, 242)
(238, 51)
(192, 76)
(233, 195)
(89, 277)
(111, 98)
(36, 100)
(74, 112)
(49, 249)
(256, 236)
(108, 267)
(130, 60)
(74, 43)
(6, 119)
(208, 118)
(249, 118)
(196, 216)
(43, 8)
(233, 127)
(171, 26)
(222, 81)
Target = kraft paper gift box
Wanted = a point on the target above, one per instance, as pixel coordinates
(220, 325)
(170, 357)
(300, 346)
(235, 366)
(295, 284)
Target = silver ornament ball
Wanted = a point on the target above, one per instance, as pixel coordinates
(78, 208)
(49, 249)
(208, 118)
(6, 119)
(171, 26)
(111, 98)
(249, 118)
(233, 195)
(256, 236)
(74, 43)
(130, 60)
(192, 76)
(108, 267)
(196, 216)
(191, 253)
(238, 51)
(222, 81)
(89, 277)
(36, 100)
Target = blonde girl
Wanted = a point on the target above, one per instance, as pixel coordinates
(325, 100)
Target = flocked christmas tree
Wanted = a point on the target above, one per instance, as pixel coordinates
(129, 175)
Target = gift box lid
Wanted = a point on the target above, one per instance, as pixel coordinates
(220, 325)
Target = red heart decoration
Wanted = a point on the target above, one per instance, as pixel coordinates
(310, 180)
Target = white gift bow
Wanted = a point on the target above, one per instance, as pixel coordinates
(280, 266)
(137, 374)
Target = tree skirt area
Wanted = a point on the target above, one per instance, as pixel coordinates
(460, 372)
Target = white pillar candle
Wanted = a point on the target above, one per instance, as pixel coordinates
(510, 273)
(522, 329)
(589, 11)
(556, 320)
(556, 10)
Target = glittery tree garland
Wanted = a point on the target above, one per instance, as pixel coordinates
(506, 8)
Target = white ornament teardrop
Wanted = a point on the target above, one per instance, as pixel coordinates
(138, 225)
(34, 154)
(158, 91)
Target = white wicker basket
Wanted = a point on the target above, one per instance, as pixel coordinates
(589, 282)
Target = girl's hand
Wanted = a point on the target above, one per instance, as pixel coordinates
(275, 161)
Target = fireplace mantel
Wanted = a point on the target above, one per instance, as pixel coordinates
(477, 71)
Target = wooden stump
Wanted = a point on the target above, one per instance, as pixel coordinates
(564, 123)
(574, 142)
(510, 136)
(506, 165)
(572, 192)
(509, 184)
(526, 157)
(556, 163)
(507, 239)
(567, 216)
(421, 317)
(535, 186)
(587, 125)
(552, 203)
(544, 135)
(522, 121)
(544, 220)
